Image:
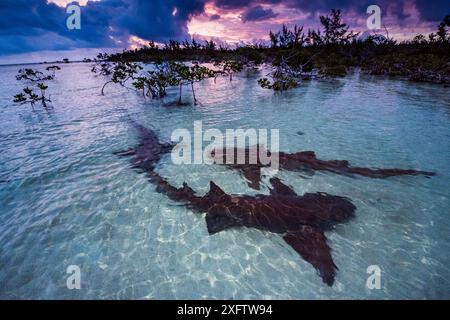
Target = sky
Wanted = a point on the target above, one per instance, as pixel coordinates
(30, 26)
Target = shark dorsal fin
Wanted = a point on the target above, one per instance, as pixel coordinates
(280, 189)
(215, 190)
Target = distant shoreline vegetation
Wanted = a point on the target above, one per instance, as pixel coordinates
(294, 55)
(329, 51)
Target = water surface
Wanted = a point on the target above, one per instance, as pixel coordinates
(67, 200)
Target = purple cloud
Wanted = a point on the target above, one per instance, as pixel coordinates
(433, 12)
(30, 25)
(258, 13)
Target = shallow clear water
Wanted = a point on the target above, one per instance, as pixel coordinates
(67, 200)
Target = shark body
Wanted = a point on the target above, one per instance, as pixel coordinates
(299, 161)
(301, 220)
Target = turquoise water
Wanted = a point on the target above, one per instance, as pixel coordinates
(67, 200)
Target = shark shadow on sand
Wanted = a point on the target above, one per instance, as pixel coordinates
(301, 220)
(299, 161)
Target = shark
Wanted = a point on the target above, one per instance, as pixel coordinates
(149, 150)
(301, 220)
(298, 161)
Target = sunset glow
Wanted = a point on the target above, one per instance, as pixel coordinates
(132, 23)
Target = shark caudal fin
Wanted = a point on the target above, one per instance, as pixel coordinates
(312, 245)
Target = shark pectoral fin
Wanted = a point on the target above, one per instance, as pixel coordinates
(280, 189)
(253, 176)
(217, 219)
(312, 245)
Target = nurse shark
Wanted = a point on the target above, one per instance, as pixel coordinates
(299, 161)
(301, 220)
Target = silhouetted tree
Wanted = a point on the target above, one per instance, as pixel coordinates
(335, 31)
(273, 39)
(287, 38)
(298, 36)
(314, 37)
(419, 39)
(442, 29)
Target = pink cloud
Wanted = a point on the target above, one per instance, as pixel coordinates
(402, 19)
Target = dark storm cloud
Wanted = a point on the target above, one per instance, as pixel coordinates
(434, 10)
(429, 10)
(25, 24)
(233, 4)
(29, 25)
(258, 13)
(305, 5)
(155, 20)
